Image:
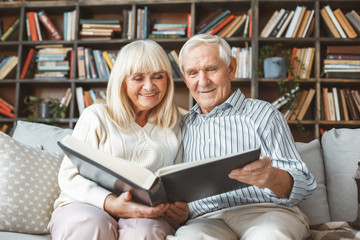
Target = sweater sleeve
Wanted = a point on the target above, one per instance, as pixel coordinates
(72, 184)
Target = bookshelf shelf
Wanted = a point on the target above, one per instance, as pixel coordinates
(13, 89)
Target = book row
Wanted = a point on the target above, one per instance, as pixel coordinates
(85, 98)
(6, 109)
(340, 104)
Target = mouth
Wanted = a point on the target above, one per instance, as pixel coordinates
(207, 91)
(147, 94)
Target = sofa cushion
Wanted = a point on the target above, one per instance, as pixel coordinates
(316, 205)
(40, 135)
(341, 153)
(28, 186)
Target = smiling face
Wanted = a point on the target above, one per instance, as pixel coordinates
(207, 76)
(145, 90)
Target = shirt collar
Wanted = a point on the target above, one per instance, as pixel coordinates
(234, 101)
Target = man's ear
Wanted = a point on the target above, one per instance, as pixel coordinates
(232, 67)
(183, 77)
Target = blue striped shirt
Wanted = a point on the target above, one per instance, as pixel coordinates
(241, 124)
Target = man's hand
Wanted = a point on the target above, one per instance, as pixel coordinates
(177, 213)
(123, 207)
(263, 175)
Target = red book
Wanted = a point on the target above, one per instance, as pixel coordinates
(250, 23)
(27, 63)
(6, 113)
(32, 27)
(188, 30)
(223, 24)
(292, 60)
(49, 25)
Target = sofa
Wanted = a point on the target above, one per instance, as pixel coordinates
(30, 159)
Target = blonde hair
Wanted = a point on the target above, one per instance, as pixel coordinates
(140, 56)
(224, 47)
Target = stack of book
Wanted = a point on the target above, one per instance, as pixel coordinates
(340, 104)
(225, 24)
(33, 28)
(100, 28)
(69, 25)
(52, 63)
(6, 109)
(166, 30)
(7, 64)
(342, 62)
(94, 63)
(339, 25)
(243, 59)
(298, 23)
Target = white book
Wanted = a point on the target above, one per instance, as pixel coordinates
(331, 106)
(262, 34)
(37, 26)
(80, 99)
(293, 22)
(286, 23)
(335, 21)
(274, 22)
(336, 104)
(306, 63)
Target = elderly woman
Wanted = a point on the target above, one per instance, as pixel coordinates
(139, 123)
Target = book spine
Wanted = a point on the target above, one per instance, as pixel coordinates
(335, 21)
(188, 29)
(6, 113)
(223, 24)
(27, 63)
(11, 107)
(49, 25)
(212, 23)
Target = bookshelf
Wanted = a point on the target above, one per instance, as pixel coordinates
(13, 89)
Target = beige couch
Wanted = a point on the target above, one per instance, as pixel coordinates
(29, 162)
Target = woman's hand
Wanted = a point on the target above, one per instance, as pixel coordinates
(177, 213)
(123, 207)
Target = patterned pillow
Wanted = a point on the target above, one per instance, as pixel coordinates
(28, 186)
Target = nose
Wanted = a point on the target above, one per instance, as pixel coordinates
(148, 84)
(203, 78)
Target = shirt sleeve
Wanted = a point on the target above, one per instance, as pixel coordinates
(279, 146)
(71, 182)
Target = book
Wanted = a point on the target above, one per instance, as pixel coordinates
(7, 104)
(185, 182)
(268, 25)
(8, 67)
(237, 27)
(298, 104)
(354, 20)
(6, 113)
(350, 32)
(298, 23)
(336, 104)
(305, 106)
(279, 25)
(303, 23)
(223, 24)
(344, 106)
(343, 49)
(27, 63)
(330, 27)
(286, 23)
(310, 29)
(11, 29)
(335, 21)
(331, 106)
(45, 20)
(80, 99)
(354, 113)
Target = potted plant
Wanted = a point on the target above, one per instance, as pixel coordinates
(40, 108)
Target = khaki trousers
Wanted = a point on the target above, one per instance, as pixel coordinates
(249, 222)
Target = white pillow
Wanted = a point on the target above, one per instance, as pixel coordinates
(28, 186)
(316, 205)
(41, 136)
(341, 153)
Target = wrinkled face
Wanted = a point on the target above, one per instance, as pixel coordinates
(146, 90)
(207, 76)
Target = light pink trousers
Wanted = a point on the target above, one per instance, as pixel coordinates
(78, 221)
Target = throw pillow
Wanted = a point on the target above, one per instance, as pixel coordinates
(341, 153)
(40, 135)
(316, 205)
(28, 186)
